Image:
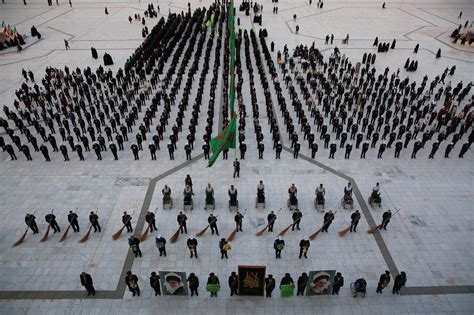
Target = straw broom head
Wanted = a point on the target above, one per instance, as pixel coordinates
(145, 234)
(45, 237)
(65, 234)
(86, 237)
(175, 236)
(344, 232)
(231, 236)
(285, 230)
(118, 233)
(315, 234)
(21, 239)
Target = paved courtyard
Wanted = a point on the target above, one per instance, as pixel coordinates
(430, 238)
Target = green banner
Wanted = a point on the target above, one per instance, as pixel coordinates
(225, 140)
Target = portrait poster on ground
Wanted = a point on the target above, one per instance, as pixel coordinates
(320, 282)
(173, 283)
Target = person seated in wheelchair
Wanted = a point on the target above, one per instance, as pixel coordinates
(348, 193)
(209, 194)
(232, 195)
(187, 195)
(260, 192)
(360, 285)
(320, 193)
(292, 191)
(375, 197)
(166, 191)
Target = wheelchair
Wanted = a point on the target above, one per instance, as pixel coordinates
(347, 202)
(319, 202)
(375, 200)
(210, 202)
(292, 203)
(188, 202)
(167, 202)
(260, 200)
(358, 287)
(233, 204)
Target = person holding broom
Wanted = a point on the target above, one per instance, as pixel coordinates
(51, 219)
(72, 218)
(355, 217)
(150, 219)
(328, 218)
(30, 221)
(94, 219)
(182, 222)
(387, 215)
(271, 218)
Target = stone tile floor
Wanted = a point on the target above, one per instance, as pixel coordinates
(430, 238)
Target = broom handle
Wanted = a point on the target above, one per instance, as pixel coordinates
(383, 221)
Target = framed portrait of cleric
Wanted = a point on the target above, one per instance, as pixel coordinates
(320, 282)
(173, 283)
(251, 280)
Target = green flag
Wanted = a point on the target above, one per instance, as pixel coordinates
(287, 290)
(225, 140)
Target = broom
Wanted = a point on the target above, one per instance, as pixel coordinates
(145, 234)
(285, 230)
(231, 236)
(315, 234)
(22, 238)
(259, 233)
(372, 230)
(201, 233)
(175, 236)
(119, 232)
(45, 236)
(65, 234)
(342, 233)
(86, 237)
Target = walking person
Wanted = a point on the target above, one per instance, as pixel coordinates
(386, 216)
(31, 223)
(86, 282)
(399, 282)
(131, 281)
(383, 281)
(150, 219)
(66, 44)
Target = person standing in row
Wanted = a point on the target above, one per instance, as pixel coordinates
(155, 283)
(134, 243)
(302, 282)
(160, 243)
(236, 168)
(269, 286)
(233, 283)
(193, 284)
(213, 281)
(400, 281)
(338, 283)
(328, 218)
(304, 246)
(224, 247)
(86, 282)
(278, 245)
(182, 218)
(192, 244)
